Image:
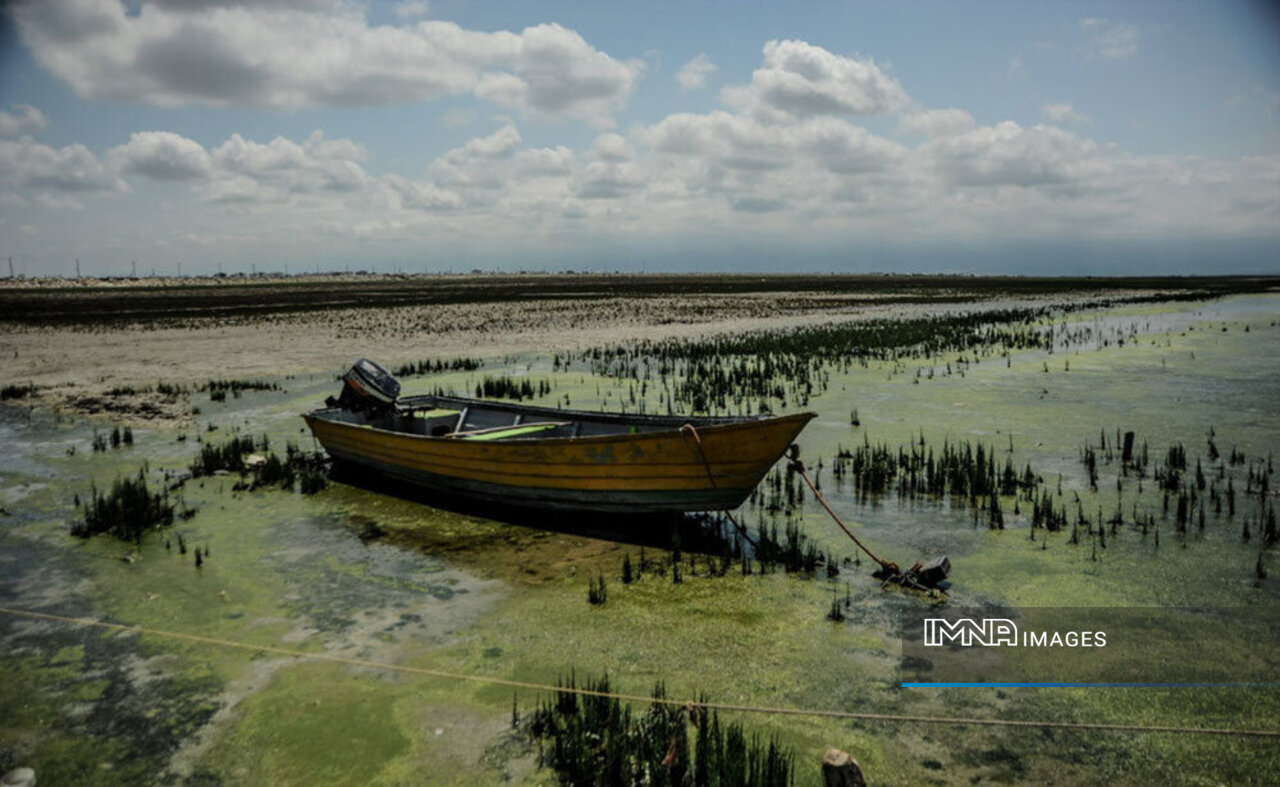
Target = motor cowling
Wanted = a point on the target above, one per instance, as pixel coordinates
(367, 386)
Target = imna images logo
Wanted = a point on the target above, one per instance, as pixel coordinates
(991, 632)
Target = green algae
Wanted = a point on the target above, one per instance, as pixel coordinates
(293, 571)
(315, 723)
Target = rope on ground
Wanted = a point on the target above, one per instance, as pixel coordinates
(716, 706)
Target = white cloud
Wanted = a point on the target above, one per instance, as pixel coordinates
(611, 147)
(1108, 40)
(556, 73)
(609, 180)
(693, 75)
(232, 189)
(554, 162)
(499, 144)
(59, 202)
(282, 165)
(800, 80)
(1062, 114)
(200, 5)
(1008, 155)
(491, 170)
(23, 119)
(25, 163)
(286, 55)
(405, 194)
(240, 169)
(412, 9)
(936, 123)
(162, 155)
(786, 164)
(738, 142)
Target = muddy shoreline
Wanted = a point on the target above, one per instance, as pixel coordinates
(101, 348)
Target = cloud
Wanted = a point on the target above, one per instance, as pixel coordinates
(23, 119)
(1108, 40)
(59, 202)
(243, 170)
(286, 55)
(612, 148)
(284, 166)
(936, 123)
(757, 204)
(800, 80)
(783, 159)
(490, 170)
(554, 162)
(162, 155)
(499, 144)
(412, 9)
(609, 180)
(200, 5)
(558, 74)
(1008, 155)
(405, 194)
(25, 163)
(1062, 114)
(693, 75)
(738, 142)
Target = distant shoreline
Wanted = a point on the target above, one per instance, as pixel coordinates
(130, 301)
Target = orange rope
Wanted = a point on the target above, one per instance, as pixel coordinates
(702, 454)
(888, 565)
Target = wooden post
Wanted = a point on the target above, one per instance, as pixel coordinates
(20, 777)
(841, 770)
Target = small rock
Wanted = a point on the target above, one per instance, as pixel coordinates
(19, 777)
(841, 770)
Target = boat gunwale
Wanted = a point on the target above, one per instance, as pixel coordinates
(719, 425)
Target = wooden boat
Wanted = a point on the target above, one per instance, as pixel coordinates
(539, 457)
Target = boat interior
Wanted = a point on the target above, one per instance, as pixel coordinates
(468, 419)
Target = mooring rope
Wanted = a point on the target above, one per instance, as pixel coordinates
(888, 565)
(689, 428)
(716, 706)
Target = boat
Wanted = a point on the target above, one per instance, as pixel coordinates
(511, 454)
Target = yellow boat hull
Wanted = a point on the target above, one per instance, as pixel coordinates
(653, 471)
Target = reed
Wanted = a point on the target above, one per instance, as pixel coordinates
(127, 511)
(592, 740)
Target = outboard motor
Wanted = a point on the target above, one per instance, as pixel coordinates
(367, 387)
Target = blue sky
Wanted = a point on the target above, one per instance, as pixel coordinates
(966, 136)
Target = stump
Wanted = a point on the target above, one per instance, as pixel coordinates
(841, 770)
(19, 777)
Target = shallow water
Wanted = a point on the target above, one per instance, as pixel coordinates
(457, 592)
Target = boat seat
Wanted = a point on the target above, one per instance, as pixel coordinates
(500, 432)
(430, 413)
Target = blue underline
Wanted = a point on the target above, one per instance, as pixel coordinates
(1080, 685)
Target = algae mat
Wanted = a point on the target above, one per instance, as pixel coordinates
(357, 573)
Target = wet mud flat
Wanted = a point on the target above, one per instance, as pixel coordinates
(356, 572)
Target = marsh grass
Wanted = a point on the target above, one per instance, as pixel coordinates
(597, 740)
(127, 511)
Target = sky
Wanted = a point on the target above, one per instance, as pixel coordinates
(1042, 138)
